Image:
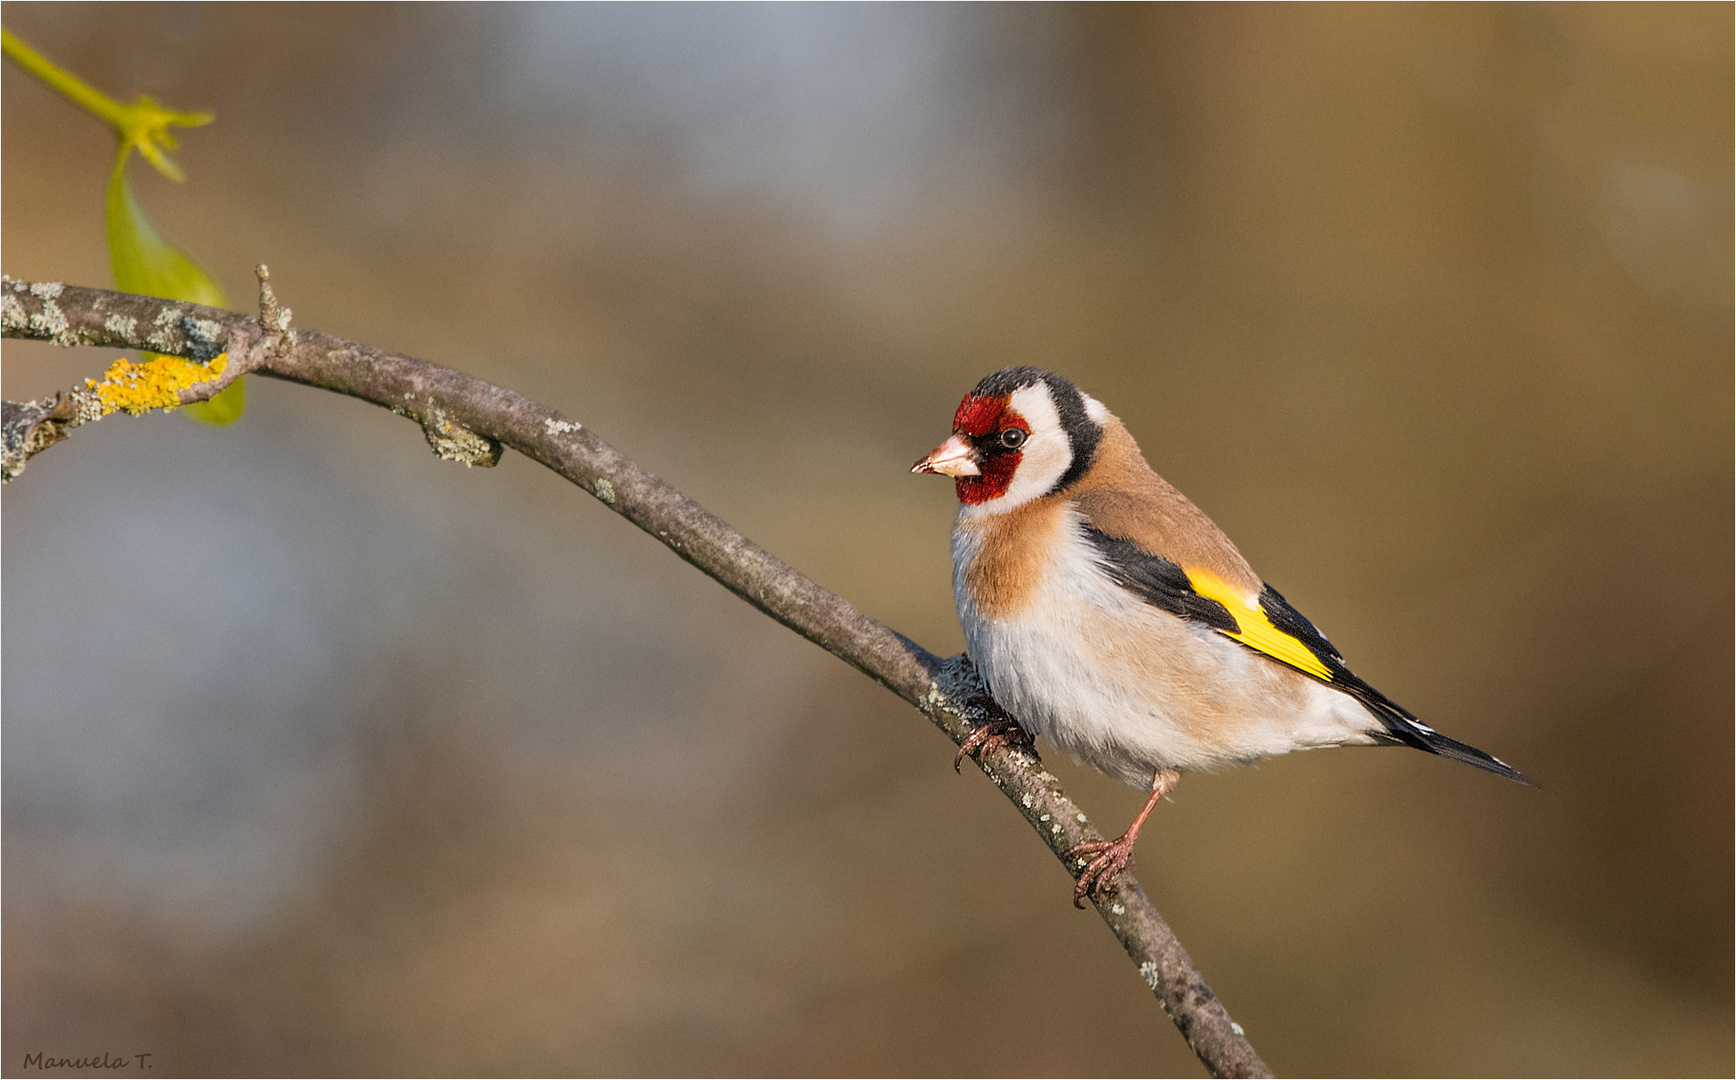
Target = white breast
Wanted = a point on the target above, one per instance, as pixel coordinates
(1130, 688)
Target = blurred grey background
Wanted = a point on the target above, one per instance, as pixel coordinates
(323, 756)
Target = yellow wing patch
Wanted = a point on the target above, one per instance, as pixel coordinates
(1257, 631)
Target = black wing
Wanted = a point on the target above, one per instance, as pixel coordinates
(1158, 581)
(1165, 585)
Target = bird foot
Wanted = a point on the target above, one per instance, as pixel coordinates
(1002, 731)
(1113, 856)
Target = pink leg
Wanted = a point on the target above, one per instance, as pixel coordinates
(1114, 856)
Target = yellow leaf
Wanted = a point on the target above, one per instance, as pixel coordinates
(145, 263)
(223, 408)
(142, 260)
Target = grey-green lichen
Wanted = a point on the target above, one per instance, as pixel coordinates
(605, 491)
(33, 426)
(163, 337)
(174, 330)
(206, 336)
(277, 318)
(12, 315)
(955, 685)
(454, 442)
(50, 322)
(87, 405)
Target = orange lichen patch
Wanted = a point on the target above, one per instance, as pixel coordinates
(155, 384)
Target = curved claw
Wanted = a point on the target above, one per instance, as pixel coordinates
(992, 733)
(1113, 856)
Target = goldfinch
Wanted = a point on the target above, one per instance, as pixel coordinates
(1108, 614)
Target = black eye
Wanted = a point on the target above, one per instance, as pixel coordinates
(1013, 438)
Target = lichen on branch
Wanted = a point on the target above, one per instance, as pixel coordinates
(154, 384)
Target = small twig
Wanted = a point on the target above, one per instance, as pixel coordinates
(948, 691)
(274, 318)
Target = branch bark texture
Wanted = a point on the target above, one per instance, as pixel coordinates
(468, 420)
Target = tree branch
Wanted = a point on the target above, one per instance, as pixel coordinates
(468, 420)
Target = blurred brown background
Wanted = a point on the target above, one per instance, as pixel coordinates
(325, 756)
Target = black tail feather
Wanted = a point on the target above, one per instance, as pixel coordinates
(1402, 726)
(1411, 732)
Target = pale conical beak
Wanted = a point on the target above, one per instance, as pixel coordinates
(954, 457)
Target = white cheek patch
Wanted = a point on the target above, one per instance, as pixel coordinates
(1044, 458)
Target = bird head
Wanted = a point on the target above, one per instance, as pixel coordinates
(1022, 433)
